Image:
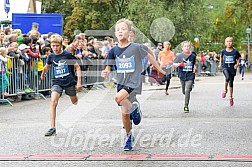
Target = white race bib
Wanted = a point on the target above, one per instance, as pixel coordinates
(125, 65)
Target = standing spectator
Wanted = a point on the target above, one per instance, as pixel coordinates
(47, 40)
(3, 76)
(65, 41)
(2, 44)
(158, 49)
(83, 36)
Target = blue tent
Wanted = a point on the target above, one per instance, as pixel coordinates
(7, 6)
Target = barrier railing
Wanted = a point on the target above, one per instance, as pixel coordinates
(23, 78)
(210, 67)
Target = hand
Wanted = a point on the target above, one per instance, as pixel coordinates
(194, 70)
(104, 73)
(162, 64)
(79, 56)
(79, 87)
(235, 66)
(219, 66)
(182, 64)
(163, 72)
(42, 77)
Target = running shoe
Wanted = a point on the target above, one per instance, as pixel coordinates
(186, 109)
(231, 101)
(223, 95)
(128, 143)
(136, 114)
(51, 132)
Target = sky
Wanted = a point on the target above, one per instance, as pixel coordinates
(16, 6)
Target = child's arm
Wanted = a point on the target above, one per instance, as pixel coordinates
(194, 69)
(237, 64)
(154, 63)
(176, 65)
(220, 62)
(46, 68)
(106, 71)
(78, 72)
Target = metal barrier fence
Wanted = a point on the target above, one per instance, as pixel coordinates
(24, 78)
(210, 68)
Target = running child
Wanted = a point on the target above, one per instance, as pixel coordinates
(127, 57)
(166, 57)
(229, 61)
(242, 65)
(185, 62)
(64, 67)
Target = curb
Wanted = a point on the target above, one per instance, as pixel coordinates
(125, 157)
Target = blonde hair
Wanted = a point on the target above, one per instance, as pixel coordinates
(126, 21)
(56, 38)
(34, 33)
(228, 38)
(166, 42)
(70, 49)
(18, 32)
(3, 51)
(14, 44)
(185, 42)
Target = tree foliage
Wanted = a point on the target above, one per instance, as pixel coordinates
(191, 18)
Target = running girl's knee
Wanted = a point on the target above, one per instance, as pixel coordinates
(227, 78)
(231, 83)
(226, 74)
(188, 90)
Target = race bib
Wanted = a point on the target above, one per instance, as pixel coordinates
(188, 67)
(242, 61)
(228, 59)
(61, 71)
(125, 65)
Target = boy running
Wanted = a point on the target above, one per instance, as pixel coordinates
(127, 57)
(64, 67)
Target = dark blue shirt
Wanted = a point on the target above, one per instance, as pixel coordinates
(229, 60)
(63, 69)
(186, 73)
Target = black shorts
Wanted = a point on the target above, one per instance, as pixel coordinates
(132, 95)
(128, 89)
